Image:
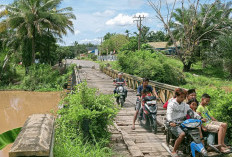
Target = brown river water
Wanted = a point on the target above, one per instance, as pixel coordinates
(16, 106)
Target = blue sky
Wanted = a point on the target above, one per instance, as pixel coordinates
(94, 18)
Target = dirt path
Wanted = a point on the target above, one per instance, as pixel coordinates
(127, 142)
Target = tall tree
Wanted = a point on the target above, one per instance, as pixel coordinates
(192, 25)
(33, 18)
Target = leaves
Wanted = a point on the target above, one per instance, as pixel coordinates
(8, 137)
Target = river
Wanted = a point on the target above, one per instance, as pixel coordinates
(16, 106)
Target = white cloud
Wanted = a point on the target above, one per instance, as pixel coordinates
(105, 13)
(93, 41)
(2, 8)
(142, 14)
(122, 19)
(77, 32)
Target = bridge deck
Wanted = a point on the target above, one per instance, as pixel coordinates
(139, 142)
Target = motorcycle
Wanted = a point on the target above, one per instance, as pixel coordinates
(192, 142)
(148, 112)
(120, 91)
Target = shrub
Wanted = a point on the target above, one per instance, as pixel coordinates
(42, 77)
(152, 65)
(82, 126)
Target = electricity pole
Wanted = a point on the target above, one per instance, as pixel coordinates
(139, 24)
(100, 45)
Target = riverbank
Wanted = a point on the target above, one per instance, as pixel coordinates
(16, 106)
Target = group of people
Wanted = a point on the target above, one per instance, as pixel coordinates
(182, 106)
(178, 109)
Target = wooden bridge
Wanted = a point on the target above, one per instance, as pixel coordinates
(128, 142)
(125, 141)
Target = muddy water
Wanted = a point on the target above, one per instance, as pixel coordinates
(16, 106)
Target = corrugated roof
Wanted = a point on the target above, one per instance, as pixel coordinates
(161, 44)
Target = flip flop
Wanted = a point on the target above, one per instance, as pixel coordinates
(228, 147)
(226, 151)
(175, 155)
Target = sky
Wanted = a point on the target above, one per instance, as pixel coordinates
(95, 18)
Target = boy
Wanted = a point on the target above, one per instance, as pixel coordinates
(212, 125)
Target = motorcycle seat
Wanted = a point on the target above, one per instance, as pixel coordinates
(149, 98)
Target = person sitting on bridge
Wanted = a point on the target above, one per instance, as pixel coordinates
(139, 98)
(212, 125)
(176, 113)
(120, 79)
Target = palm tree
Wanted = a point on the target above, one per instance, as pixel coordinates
(32, 18)
(193, 29)
(127, 33)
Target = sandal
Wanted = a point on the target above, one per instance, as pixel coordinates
(226, 151)
(174, 155)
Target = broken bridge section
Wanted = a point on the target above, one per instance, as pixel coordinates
(139, 142)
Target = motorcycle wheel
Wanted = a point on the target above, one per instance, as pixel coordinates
(117, 100)
(154, 126)
(167, 138)
(121, 101)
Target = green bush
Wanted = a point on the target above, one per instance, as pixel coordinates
(220, 105)
(42, 77)
(82, 126)
(155, 66)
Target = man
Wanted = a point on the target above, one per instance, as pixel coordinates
(139, 91)
(120, 79)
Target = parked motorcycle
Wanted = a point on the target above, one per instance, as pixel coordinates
(192, 142)
(148, 112)
(120, 91)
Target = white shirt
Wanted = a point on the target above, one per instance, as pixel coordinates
(177, 112)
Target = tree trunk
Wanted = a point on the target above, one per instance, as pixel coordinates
(33, 51)
(4, 64)
(33, 47)
(187, 66)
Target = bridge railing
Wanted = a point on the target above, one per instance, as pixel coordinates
(165, 91)
(73, 80)
(107, 58)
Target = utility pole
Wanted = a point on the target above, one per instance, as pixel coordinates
(101, 44)
(139, 24)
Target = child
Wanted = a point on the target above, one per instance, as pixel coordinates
(191, 94)
(176, 113)
(193, 103)
(212, 125)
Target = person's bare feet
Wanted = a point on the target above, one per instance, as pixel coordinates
(133, 127)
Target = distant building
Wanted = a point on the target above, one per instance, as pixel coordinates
(92, 49)
(163, 46)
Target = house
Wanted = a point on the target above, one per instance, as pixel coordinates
(91, 49)
(163, 46)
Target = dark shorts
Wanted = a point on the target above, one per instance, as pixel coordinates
(176, 131)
